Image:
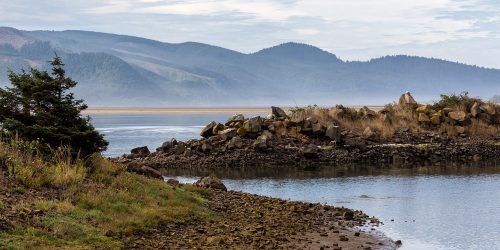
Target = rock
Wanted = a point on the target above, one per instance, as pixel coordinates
(460, 129)
(235, 142)
(166, 146)
(485, 118)
(180, 148)
(365, 111)
(235, 119)
(407, 100)
(206, 147)
(423, 118)
(475, 109)
(217, 128)
(370, 134)
(144, 170)
(298, 116)
(140, 151)
(348, 215)
(333, 132)
(173, 182)
(318, 129)
(489, 109)
(436, 119)
(212, 182)
(252, 125)
(261, 142)
(241, 132)
(458, 116)
(188, 152)
(227, 134)
(207, 131)
(278, 112)
(423, 109)
(310, 151)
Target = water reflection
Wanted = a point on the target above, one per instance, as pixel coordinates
(479, 168)
(444, 207)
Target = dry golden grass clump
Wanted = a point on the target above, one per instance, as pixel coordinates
(452, 115)
(82, 203)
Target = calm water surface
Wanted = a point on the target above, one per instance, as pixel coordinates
(448, 207)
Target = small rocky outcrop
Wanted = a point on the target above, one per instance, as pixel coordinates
(407, 100)
(212, 182)
(140, 151)
(278, 112)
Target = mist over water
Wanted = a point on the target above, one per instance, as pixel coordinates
(432, 207)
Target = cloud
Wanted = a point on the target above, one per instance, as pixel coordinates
(354, 29)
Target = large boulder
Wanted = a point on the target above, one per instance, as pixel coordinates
(144, 170)
(423, 118)
(235, 142)
(333, 132)
(140, 151)
(458, 116)
(261, 142)
(168, 145)
(212, 182)
(407, 100)
(235, 118)
(366, 112)
(489, 109)
(298, 116)
(278, 112)
(227, 134)
(318, 129)
(475, 109)
(207, 131)
(217, 128)
(252, 125)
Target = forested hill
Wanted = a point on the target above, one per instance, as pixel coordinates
(116, 70)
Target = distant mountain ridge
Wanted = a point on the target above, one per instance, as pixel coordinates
(119, 70)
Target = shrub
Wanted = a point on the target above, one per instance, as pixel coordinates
(40, 107)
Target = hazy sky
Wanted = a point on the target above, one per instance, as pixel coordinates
(459, 30)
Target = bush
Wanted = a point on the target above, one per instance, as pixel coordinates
(40, 107)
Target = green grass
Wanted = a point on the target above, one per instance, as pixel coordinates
(96, 205)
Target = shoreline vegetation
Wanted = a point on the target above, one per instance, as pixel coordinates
(61, 202)
(456, 129)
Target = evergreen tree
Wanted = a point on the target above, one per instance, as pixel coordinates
(39, 106)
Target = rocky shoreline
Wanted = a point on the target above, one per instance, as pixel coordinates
(405, 134)
(246, 221)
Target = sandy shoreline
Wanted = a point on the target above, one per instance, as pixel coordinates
(188, 110)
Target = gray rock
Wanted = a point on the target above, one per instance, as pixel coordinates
(475, 109)
(140, 151)
(227, 134)
(278, 112)
(235, 118)
(180, 148)
(235, 142)
(207, 131)
(261, 142)
(212, 182)
(333, 132)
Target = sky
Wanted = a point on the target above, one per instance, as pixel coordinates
(466, 31)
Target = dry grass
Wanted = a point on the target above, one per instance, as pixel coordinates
(25, 163)
(355, 121)
(95, 200)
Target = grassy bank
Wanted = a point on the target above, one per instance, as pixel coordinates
(57, 202)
